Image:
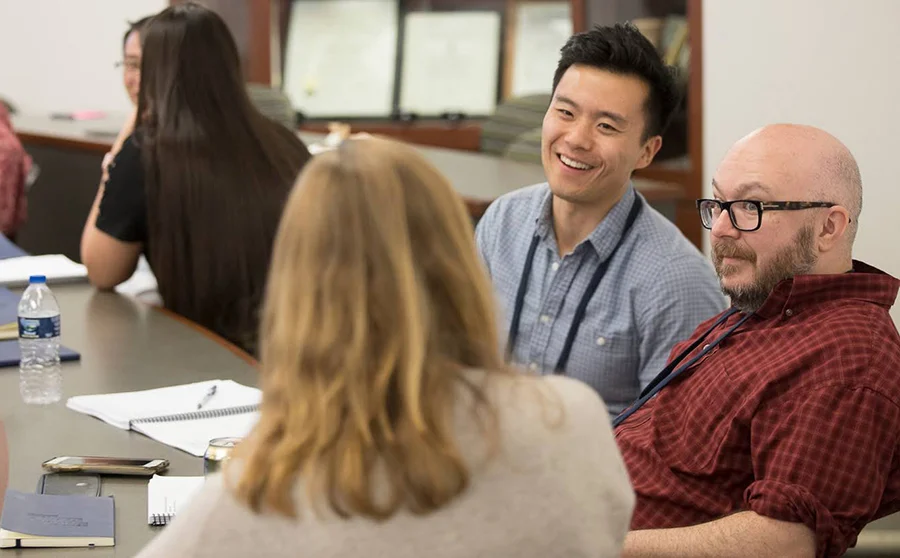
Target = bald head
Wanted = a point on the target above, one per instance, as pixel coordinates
(804, 163)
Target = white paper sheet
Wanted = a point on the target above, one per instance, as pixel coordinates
(341, 57)
(542, 28)
(166, 495)
(14, 272)
(451, 62)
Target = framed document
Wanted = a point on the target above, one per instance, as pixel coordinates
(450, 63)
(341, 57)
(541, 29)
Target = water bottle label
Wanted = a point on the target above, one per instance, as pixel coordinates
(38, 328)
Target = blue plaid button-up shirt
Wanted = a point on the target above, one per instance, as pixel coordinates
(655, 292)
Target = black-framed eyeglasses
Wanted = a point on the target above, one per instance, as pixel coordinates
(746, 215)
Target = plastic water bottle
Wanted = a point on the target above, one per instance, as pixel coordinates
(40, 381)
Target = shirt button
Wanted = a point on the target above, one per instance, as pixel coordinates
(601, 341)
(545, 319)
(555, 266)
(788, 312)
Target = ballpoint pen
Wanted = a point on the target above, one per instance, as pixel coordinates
(207, 397)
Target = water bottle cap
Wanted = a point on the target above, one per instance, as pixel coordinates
(37, 279)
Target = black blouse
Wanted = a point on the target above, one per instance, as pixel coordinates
(123, 208)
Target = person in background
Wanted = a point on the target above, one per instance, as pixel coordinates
(131, 58)
(595, 283)
(390, 425)
(782, 440)
(15, 165)
(131, 78)
(200, 184)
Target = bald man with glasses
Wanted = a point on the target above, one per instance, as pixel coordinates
(774, 430)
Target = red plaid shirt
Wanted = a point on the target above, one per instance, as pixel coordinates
(795, 416)
(14, 167)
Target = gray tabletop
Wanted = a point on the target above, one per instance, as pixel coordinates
(124, 345)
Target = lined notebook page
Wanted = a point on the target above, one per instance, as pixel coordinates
(166, 495)
(193, 436)
(119, 409)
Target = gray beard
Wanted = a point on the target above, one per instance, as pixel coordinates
(797, 258)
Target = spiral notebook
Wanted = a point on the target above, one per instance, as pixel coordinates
(167, 495)
(170, 415)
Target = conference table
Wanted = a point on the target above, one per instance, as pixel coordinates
(125, 345)
(69, 153)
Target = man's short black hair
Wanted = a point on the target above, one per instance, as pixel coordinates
(135, 26)
(622, 49)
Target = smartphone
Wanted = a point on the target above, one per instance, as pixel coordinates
(106, 465)
(68, 483)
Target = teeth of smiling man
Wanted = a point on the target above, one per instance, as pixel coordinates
(574, 164)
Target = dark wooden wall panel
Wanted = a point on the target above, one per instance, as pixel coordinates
(249, 22)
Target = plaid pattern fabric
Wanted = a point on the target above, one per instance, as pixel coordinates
(657, 288)
(796, 416)
(14, 167)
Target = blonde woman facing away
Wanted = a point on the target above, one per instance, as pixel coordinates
(390, 425)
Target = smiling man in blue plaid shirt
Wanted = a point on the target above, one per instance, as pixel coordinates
(595, 283)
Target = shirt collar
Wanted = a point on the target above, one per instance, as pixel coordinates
(543, 219)
(866, 283)
(604, 237)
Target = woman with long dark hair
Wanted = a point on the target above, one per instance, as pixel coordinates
(199, 187)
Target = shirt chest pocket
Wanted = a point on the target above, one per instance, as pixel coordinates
(612, 354)
(695, 421)
(608, 343)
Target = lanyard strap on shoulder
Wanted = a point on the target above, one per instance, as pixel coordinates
(520, 297)
(592, 288)
(581, 309)
(667, 375)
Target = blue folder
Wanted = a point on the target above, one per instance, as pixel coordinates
(9, 250)
(9, 310)
(10, 356)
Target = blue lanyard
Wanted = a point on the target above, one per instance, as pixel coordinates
(667, 375)
(581, 309)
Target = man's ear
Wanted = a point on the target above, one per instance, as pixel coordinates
(833, 228)
(648, 152)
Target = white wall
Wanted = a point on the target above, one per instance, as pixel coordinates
(58, 55)
(828, 63)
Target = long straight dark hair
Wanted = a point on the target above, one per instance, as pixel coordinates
(217, 173)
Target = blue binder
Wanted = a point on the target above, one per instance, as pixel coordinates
(9, 250)
(10, 355)
(9, 302)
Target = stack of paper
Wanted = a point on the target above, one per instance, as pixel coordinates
(142, 284)
(57, 268)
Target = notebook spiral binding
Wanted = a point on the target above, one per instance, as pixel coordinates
(193, 415)
(160, 519)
